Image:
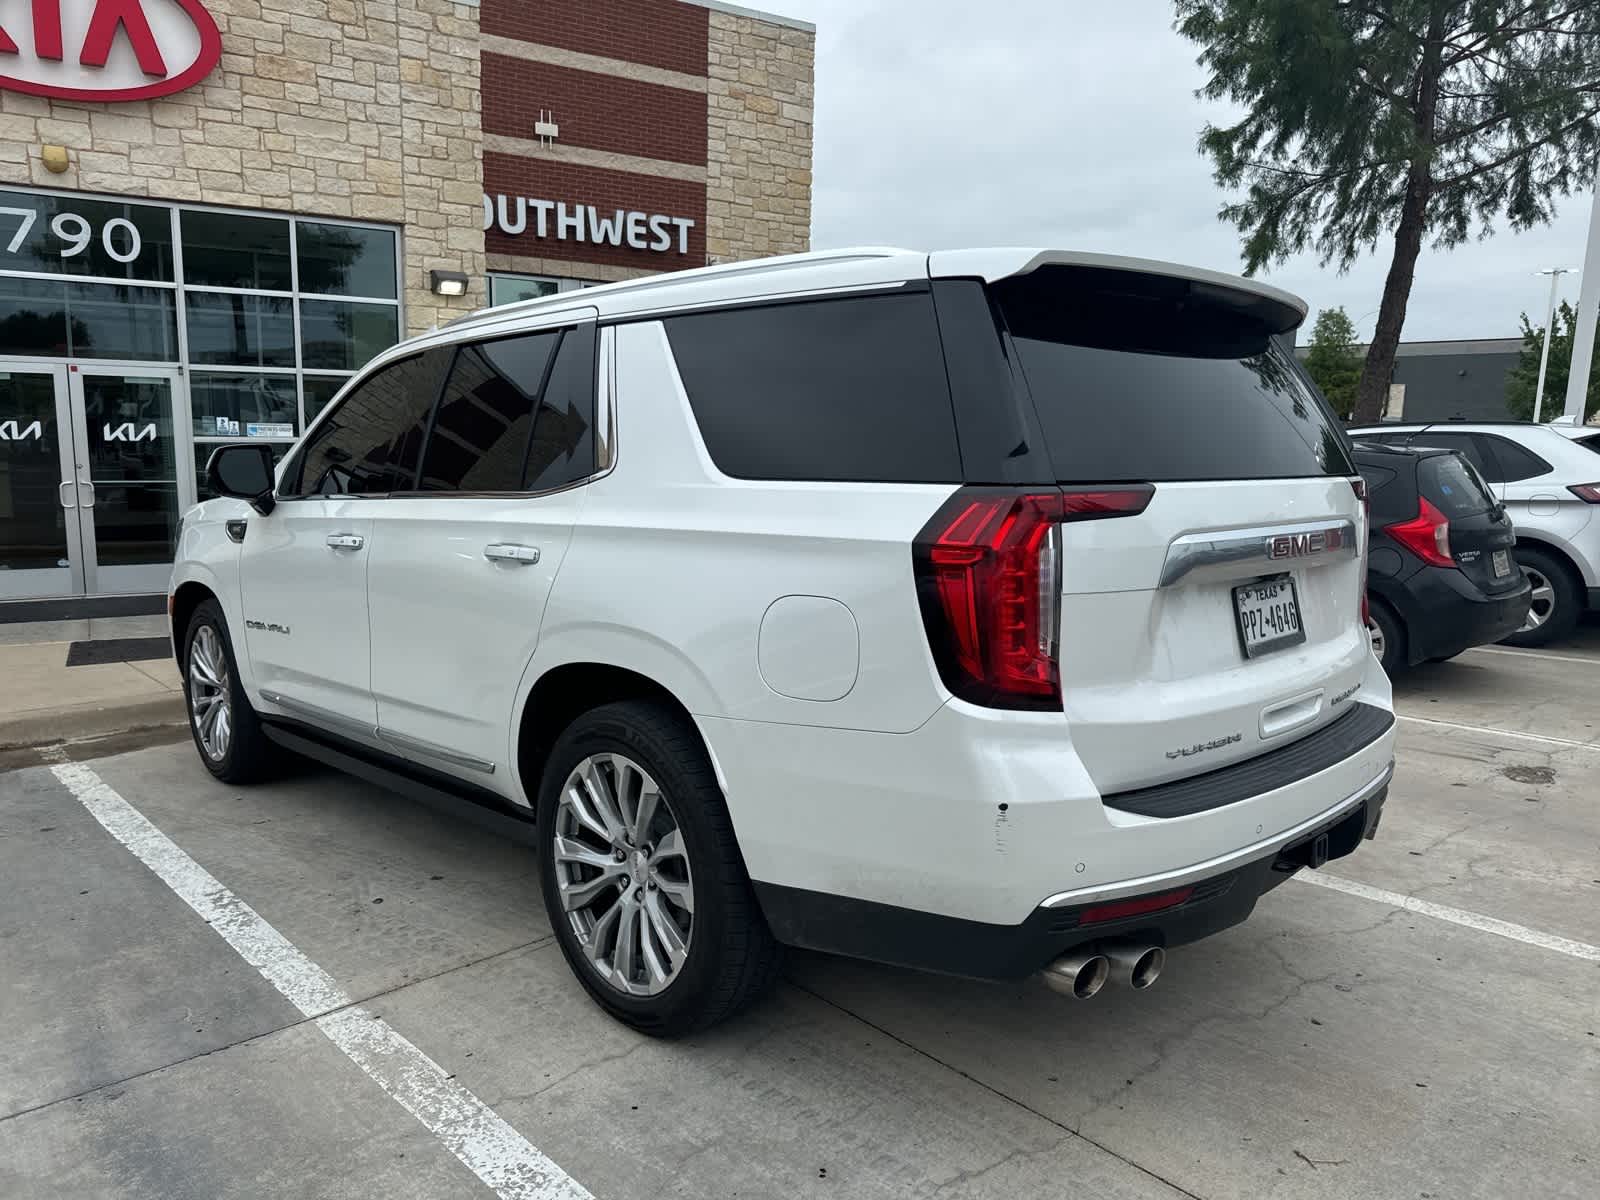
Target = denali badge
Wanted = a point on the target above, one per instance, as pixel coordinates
(266, 626)
(1294, 545)
(1202, 747)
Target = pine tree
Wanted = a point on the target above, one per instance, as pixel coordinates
(1332, 360)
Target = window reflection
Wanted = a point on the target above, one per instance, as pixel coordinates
(345, 260)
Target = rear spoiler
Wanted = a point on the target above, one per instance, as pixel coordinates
(1278, 311)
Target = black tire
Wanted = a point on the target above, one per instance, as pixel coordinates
(1393, 659)
(248, 755)
(732, 957)
(1566, 598)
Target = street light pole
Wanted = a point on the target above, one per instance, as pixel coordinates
(1555, 274)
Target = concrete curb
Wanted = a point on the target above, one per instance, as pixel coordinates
(45, 726)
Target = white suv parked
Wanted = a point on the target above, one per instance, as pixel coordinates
(988, 612)
(1548, 477)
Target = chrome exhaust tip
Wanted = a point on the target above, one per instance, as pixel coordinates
(1134, 964)
(1078, 975)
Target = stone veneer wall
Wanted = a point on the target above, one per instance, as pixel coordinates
(758, 177)
(363, 109)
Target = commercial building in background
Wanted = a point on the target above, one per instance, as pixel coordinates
(212, 212)
(1463, 380)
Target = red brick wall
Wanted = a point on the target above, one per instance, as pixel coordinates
(660, 33)
(607, 191)
(602, 112)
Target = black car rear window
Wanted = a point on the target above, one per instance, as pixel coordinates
(1139, 377)
(1452, 486)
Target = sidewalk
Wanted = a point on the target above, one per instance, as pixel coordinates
(42, 700)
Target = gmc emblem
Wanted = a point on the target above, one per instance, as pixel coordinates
(1296, 545)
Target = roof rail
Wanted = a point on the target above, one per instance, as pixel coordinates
(759, 266)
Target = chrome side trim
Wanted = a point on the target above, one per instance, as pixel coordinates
(418, 746)
(1234, 548)
(318, 716)
(1223, 862)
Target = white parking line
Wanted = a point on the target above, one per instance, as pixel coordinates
(1567, 658)
(1565, 743)
(495, 1152)
(1456, 916)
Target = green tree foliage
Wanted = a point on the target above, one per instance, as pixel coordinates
(1333, 361)
(1524, 377)
(1420, 117)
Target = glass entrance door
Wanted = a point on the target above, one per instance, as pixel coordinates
(127, 464)
(39, 514)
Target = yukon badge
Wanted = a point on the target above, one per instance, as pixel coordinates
(1296, 545)
(1202, 747)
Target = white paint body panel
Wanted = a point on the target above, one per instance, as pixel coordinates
(784, 617)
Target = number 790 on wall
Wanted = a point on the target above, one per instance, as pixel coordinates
(75, 233)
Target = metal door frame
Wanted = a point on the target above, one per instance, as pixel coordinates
(147, 577)
(53, 581)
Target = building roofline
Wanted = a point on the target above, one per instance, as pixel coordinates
(755, 14)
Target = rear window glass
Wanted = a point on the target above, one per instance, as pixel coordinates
(1148, 378)
(1592, 442)
(846, 389)
(1453, 487)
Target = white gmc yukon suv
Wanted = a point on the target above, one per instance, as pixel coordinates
(989, 612)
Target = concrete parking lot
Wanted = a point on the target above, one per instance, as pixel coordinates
(1340, 1044)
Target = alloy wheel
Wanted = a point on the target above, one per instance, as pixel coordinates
(1544, 600)
(210, 698)
(623, 874)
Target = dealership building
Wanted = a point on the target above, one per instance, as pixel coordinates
(212, 212)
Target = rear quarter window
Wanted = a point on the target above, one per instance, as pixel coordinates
(1515, 461)
(1147, 378)
(849, 389)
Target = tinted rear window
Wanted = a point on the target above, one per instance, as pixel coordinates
(1147, 378)
(1592, 442)
(1453, 487)
(847, 389)
(1517, 461)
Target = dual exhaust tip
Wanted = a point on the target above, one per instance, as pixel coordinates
(1084, 972)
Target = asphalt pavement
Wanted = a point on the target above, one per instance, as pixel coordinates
(1424, 1027)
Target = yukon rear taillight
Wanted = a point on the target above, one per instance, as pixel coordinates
(1364, 494)
(1427, 535)
(988, 569)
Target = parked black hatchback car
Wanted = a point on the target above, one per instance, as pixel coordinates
(1441, 573)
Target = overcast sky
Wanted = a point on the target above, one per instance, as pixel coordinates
(1035, 122)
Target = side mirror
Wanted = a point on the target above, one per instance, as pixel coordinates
(243, 472)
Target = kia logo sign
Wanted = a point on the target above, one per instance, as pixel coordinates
(106, 49)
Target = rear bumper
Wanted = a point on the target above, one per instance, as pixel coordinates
(1448, 613)
(1215, 896)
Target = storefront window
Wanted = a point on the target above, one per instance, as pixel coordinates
(340, 335)
(345, 260)
(508, 289)
(234, 251)
(240, 330)
(250, 406)
(74, 235)
(319, 389)
(56, 319)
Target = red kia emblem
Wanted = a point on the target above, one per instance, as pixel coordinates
(106, 49)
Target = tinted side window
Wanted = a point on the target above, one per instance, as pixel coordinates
(481, 431)
(1516, 462)
(372, 442)
(562, 450)
(846, 389)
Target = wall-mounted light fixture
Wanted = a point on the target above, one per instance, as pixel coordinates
(447, 283)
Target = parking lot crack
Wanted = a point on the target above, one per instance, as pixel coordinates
(992, 1090)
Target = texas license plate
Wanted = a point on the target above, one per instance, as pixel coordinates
(1268, 615)
(1502, 563)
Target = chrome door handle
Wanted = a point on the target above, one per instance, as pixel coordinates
(508, 552)
(61, 492)
(84, 483)
(346, 541)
